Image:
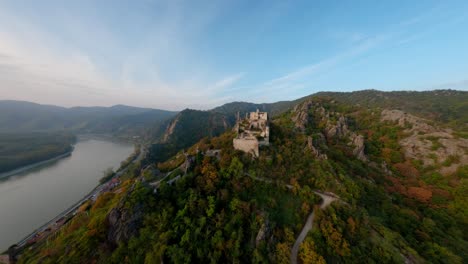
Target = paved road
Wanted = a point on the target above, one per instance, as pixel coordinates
(157, 183)
(327, 199)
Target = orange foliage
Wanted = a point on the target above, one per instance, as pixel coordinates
(282, 253)
(305, 207)
(420, 194)
(334, 238)
(351, 225)
(307, 253)
(397, 186)
(102, 200)
(407, 170)
(49, 252)
(386, 154)
(210, 176)
(92, 232)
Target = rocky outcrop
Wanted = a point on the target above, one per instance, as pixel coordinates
(336, 125)
(358, 142)
(123, 224)
(404, 120)
(301, 114)
(264, 230)
(315, 151)
(341, 129)
(261, 234)
(338, 129)
(170, 129)
(428, 143)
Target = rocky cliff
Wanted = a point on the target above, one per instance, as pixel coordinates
(429, 143)
(332, 125)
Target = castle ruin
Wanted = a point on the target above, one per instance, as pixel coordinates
(252, 132)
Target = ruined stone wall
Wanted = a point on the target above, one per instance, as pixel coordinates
(246, 145)
(258, 115)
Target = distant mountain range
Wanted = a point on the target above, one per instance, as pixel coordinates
(20, 116)
(171, 131)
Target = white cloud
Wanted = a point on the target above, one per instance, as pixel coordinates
(229, 80)
(38, 65)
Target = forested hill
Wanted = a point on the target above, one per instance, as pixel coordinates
(401, 180)
(19, 149)
(19, 116)
(189, 126)
(445, 106)
(243, 107)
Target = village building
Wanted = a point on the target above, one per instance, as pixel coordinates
(252, 132)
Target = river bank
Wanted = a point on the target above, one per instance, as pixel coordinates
(34, 197)
(35, 165)
(79, 137)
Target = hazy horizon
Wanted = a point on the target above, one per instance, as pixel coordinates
(235, 101)
(176, 55)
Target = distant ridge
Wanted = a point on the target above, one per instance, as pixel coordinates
(22, 116)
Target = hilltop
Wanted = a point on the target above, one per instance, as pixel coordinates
(400, 174)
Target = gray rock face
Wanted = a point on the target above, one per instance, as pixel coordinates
(123, 224)
(339, 129)
(301, 117)
(336, 126)
(358, 142)
(170, 129)
(261, 234)
(310, 146)
(429, 143)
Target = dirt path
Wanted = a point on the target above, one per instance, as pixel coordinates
(327, 199)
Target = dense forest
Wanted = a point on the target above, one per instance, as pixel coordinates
(401, 180)
(21, 149)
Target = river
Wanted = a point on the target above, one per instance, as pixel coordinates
(31, 198)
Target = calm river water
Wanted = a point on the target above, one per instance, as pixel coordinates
(31, 198)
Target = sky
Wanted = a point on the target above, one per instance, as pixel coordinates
(200, 54)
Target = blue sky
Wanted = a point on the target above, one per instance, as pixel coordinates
(200, 54)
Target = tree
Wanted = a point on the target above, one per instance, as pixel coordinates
(308, 255)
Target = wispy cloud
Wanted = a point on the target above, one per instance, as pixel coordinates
(229, 80)
(38, 65)
(163, 53)
(290, 83)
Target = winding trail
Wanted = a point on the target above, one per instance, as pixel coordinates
(327, 199)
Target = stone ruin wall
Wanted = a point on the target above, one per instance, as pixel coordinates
(247, 145)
